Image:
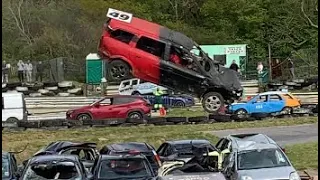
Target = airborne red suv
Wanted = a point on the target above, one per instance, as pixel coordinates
(113, 107)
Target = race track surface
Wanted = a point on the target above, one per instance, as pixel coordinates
(283, 135)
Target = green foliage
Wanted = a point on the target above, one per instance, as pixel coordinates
(49, 29)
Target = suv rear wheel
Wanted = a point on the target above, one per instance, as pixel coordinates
(212, 102)
(118, 70)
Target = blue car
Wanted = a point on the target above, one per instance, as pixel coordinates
(170, 101)
(267, 102)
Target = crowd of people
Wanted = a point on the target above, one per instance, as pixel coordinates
(25, 71)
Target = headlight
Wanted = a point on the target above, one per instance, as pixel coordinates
(246, 178)
(294, 176)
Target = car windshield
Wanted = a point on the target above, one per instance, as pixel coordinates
(128, 168)
(52, 170)
(5, 167)
(257, 159)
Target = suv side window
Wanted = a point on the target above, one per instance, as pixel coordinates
(121, 100)
(122, 36)
(151, 46)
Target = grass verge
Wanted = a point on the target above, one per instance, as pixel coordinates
(15, 141)
(303, 156)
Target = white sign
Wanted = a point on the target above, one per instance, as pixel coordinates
(235, 50)
(119, 15)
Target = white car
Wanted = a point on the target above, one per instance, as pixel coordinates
(13, 108)
(137, 87)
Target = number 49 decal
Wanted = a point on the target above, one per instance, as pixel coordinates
(119, 15)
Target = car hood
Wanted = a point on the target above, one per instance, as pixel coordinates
(195, 176)
(268, 173)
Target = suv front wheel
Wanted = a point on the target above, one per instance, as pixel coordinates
(212, 102)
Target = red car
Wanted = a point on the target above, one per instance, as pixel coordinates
(139, 48)
(113, 107)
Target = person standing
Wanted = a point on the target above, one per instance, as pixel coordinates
(158, 99)
(20, 70)
(39, 73)
(234, 66)
(260, 68)
(5, 72)
(291, 68)
(29, 69)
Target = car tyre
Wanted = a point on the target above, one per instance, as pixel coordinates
(179, 104)
(241, 114)
(287, 110)
(12, 120)
(212, 102)
(83, 117)
(135, 115)
(118, 70)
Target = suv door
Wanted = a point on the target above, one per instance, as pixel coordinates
(172, 75)
(146, 56)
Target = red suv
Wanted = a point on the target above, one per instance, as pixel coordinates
(159, 55)
(113, 107)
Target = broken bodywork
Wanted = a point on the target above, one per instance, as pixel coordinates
(124, 43)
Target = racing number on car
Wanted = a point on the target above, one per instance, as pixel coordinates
(119, 15)
(258, 106)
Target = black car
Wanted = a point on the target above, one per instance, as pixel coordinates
(86, 151)
(55, 167)
(181, 149)
(9, 166)
(125, 166)
(143, 148)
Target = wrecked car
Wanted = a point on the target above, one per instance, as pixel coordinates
(55, 167)
(181, 149)
(130, 147)
(9, 166)
(86, 151)
(164, 57)
(204, 165)
(125, 166)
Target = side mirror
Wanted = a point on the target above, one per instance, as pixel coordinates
(97, 105)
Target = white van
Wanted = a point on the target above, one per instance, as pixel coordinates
(13, 107)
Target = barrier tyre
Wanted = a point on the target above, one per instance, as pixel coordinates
(198, 119)
(157, 120)
(221, 118)
(177, 119)
(259, 116)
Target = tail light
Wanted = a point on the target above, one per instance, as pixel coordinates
(157, 157)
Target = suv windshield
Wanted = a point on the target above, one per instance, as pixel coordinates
(52, 170)
(257, 159)
(5, 167)
(128, 168)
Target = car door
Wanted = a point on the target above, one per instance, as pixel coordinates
(105, 109)
(146, 55)
(276, 103)
(179, 77)
(259, 105)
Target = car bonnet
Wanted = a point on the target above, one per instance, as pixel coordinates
(268, 173)
(196, 176)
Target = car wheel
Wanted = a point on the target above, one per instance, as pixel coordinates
(82, 117)
(241, 114)
(12, 120)
(118, 70)
(212, 102)
(135, 115)
(136, 93)
(179, 104)
(287, 110)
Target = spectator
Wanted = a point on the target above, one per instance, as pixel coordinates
(29, 69)
(291, 68)
(20, 70)
(39, 73)
(234, 66)
(260, 68)
(5, 72)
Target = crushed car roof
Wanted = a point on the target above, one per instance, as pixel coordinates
(197, 176)
(44, 158)
(57, 146)
(250, 145)
(239, 139)
(152, 28)
(189, 141)
(142, 147)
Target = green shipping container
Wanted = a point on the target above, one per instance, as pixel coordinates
(94, 69)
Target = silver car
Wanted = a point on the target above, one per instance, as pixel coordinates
(258, 161)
